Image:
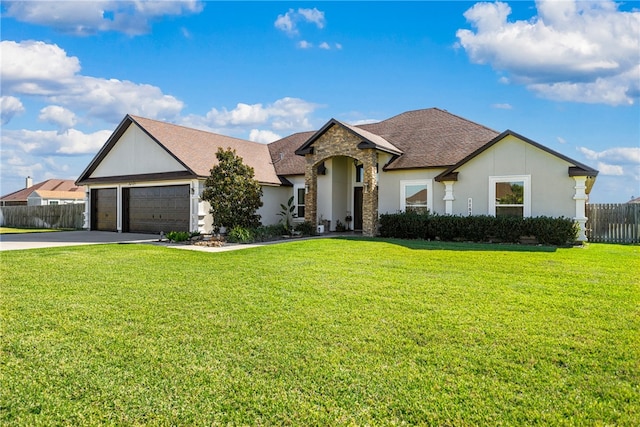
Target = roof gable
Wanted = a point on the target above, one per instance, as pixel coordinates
(136, 152)
(578, 169)
(369, 139)
(194, 150)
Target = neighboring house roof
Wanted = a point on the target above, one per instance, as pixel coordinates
(636, 200)
(194, 149)
(61, 187)
(63, 195)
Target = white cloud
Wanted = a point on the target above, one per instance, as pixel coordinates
(503, 106)
(561, 140)
(90, 17)
(338, 46)
(40, 69)
(285, 23)
(9, 107)
(263, 136)
(303, 44)
(59, 116)
(617, 161)
(284, 114)
(324, 45)
(289, 21)
(607, 169)
(314, 16)
(39, 142)
(572, 51)
(624, 155)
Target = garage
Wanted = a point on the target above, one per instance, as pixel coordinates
(104, 215)
(155, 209)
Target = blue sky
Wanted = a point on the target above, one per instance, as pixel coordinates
(563, 73)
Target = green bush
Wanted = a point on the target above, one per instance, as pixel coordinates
(268, 232)
(239, 234)
(482, 228)
(178, 236)
(306, 228)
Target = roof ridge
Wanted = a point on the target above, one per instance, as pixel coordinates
(190, 128)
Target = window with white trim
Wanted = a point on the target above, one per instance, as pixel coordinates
(510, 195)
(300, 193)
(416, 195)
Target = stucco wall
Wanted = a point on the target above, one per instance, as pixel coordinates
(134, 154)
(552, 189)
(389, 188)
(272, 197)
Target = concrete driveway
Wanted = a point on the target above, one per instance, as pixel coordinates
(11, 242)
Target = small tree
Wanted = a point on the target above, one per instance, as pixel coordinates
(232, 192)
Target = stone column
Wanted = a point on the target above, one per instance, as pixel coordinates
(581, 199)
(448, 197)
(311, 194)
(369, 159)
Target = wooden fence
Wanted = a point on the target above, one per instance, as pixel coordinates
(51, 216)
(613, 222)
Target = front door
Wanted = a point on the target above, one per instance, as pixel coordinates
(357, 208)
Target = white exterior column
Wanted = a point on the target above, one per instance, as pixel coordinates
(448, 197)
(119, 208)
(196, 215)
(581, 200)
(86, 223)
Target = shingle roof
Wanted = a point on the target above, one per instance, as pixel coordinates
(283, 155)
(196, 149)
(431, 137)
(65, 186)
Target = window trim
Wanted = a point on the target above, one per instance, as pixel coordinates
(296, 191)
(526, 179)
(403, 192)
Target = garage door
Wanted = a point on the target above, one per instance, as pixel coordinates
(156, 209)
(104, 209)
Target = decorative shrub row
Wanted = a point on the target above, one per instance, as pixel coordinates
(265, 233)
(412, 225)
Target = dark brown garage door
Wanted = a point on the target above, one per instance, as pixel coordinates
(156, 209)
(104, 209)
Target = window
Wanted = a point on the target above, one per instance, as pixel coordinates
(300, 192)
(510, 196)
(359, 173)
(416, 195)
(54, 202)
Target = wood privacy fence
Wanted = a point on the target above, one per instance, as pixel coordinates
(50, 216)
(613, 222)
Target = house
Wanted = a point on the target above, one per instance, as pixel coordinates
(49, 192)
(149, 175)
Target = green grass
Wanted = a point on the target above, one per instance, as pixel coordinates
(12, 230)
(321, 332)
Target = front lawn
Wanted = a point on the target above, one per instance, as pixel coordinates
(321, 332)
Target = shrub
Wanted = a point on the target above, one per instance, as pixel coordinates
(268, 232)
(240, 234)
(482, 228)
(306, 228)
(178, 236)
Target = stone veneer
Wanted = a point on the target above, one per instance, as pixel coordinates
(340, 141)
